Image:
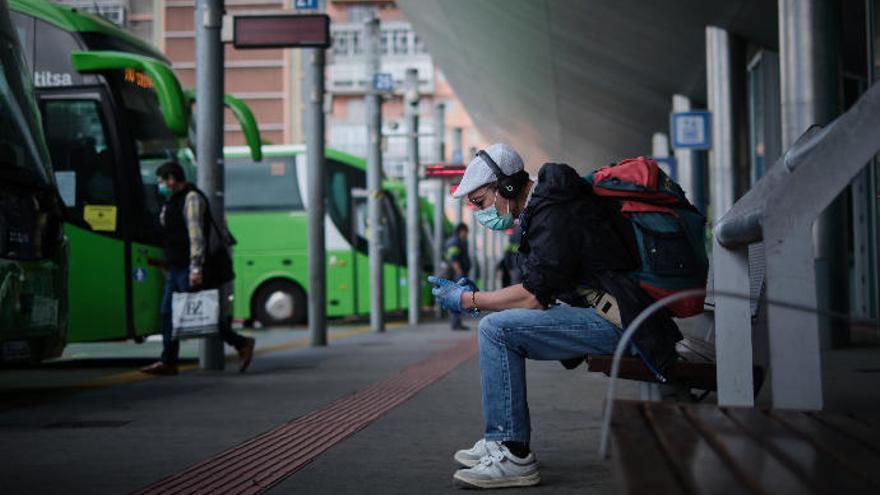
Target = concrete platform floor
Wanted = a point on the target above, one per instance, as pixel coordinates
(90, 424)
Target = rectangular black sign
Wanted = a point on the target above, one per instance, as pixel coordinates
(281, 31)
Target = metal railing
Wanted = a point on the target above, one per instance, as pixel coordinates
(779, 212)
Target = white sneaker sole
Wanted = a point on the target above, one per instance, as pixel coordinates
(528, 480)
(467, 462)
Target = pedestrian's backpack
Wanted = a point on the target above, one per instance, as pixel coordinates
(669, 230)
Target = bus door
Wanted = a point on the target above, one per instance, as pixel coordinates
(84, 158)
(395, 255)
(391, 253)
(147, 144)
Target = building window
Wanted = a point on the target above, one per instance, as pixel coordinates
(341, 43)
(360, 13)
(400, 40)
(419, 45)
(385, 42)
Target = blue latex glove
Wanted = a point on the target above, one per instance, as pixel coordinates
(447, 293)
(468, 284)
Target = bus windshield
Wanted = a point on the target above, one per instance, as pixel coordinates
(142, 116)
(21, 157)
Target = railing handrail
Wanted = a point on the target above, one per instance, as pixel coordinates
(744, 223)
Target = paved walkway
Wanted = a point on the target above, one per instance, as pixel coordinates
(394, 408)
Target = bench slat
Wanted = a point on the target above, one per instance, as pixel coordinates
(705, 350)
(866, 434)
(846, 449)
(702, 469)
(821, 470)
(639, 458)
(743, 454)
(693, 375)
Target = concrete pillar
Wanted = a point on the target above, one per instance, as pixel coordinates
(685, 157)
(720, 98)
(808, 63)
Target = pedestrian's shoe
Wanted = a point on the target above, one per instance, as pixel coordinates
(460, 327)
(471, 457)
(245, 354)
(500, 469)
(160, 368)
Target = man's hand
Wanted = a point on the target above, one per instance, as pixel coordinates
(447, 293)
(468, 284)
(195, 278)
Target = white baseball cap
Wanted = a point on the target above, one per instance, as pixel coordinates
(478, 173)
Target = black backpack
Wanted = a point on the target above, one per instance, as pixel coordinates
(217, 268)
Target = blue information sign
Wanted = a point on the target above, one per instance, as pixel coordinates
(383, 82)
(668, 164)
(691, 130)
(306, 4)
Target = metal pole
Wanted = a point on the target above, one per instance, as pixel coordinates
(413, 230)
(718, 88)
(808, 76)
(375, 192)
(209, 144)
(457, 157)
(313, 97)
(439, 193)
(685, 157)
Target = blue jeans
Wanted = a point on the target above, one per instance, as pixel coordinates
(508, 337)
(177, 280)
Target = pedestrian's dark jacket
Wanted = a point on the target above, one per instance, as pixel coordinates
(179, 252)
(574, 239)
(456, 249)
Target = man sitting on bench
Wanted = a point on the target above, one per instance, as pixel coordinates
(577, 250)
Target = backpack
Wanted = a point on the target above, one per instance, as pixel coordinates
(669, 230)
(217, 269)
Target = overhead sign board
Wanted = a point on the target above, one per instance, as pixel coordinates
(281, 31)
(444, 171)
(383, 82)
(305, 4)
(691, 130)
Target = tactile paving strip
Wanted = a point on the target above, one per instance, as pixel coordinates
(265, 460)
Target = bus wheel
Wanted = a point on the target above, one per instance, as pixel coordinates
(279, 302)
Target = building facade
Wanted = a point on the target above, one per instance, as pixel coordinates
(269, 80)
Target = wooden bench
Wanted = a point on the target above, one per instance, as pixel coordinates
(669, 448)
(695, 368)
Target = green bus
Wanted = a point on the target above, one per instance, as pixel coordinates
(33, 251)
(266, 211)
(113, 111)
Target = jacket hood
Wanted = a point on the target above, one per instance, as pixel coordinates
(558, 182)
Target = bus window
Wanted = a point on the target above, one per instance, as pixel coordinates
(271, 184)
(82, 162)
(338, 199)
(154, 145)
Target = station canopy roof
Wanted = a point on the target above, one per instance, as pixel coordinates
(582, 81)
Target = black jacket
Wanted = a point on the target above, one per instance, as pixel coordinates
(573, 238)
(175, 230)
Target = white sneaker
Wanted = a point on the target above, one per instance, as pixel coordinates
(499, 469)
(471, 457)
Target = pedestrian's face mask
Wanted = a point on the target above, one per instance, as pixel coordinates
(163, 189)
(490, 219)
